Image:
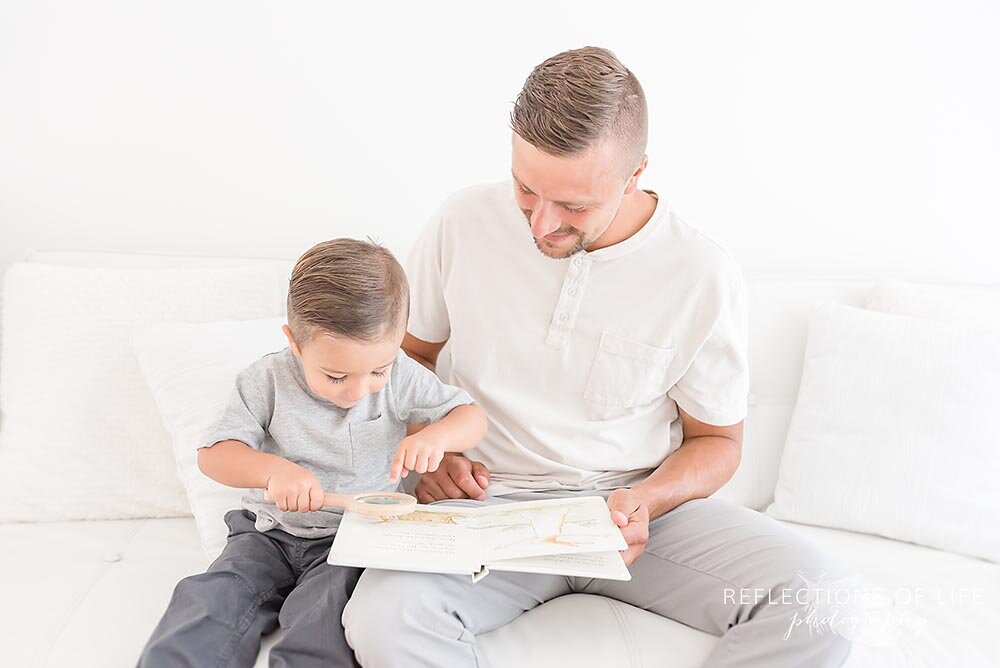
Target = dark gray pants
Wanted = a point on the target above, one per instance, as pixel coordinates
(260, 581)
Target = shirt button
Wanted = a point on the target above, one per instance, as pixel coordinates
(752, 399)
(563, 317)
(578, 261)
(571, 292)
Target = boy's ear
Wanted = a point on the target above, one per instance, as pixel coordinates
(291, 341)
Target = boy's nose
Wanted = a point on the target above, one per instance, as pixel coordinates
(358, 392)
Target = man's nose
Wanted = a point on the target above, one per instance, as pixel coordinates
(543, 221)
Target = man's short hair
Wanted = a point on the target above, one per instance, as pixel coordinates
(349, 288)
(579, 98)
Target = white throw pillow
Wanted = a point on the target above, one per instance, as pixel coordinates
(974, 306)
(191, 370)
(896, 431)
(81, 437)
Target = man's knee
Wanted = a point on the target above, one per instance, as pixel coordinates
(409, 603)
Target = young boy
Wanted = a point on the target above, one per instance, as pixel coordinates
(328, 413)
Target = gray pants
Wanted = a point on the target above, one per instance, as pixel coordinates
(701, 559)
(260, 581)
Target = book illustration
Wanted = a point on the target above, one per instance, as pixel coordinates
(441, 538)
(557, 525)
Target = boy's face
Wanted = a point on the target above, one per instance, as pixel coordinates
(344, 371)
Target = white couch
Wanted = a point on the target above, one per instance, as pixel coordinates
(82, 594)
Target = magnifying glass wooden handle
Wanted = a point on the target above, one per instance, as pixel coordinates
(335, 500)
(382, 504)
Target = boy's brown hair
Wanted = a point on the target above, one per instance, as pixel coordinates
(349, 288)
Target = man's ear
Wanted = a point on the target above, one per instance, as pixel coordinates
(291, 341)
(633, 181)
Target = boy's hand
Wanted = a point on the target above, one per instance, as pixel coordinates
(417, 453)
(292, 487)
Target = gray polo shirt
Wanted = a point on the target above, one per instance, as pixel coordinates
(348, 449)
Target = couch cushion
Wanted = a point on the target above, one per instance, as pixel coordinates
(81, 437)
(89, 593)
(895, 431)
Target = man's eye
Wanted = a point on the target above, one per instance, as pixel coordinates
(334, 379)
(579, 209)
(524, 190)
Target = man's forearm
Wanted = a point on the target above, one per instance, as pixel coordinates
(695, 470)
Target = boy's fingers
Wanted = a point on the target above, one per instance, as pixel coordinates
(410, 460)
(316, 498)
(396, 466)
(421, 466)
(303, 500)
(434, 461)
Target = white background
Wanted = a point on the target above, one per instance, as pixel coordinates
(834, 139)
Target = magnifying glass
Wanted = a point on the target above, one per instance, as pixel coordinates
(381, 504)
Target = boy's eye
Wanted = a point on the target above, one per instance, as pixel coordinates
(379, 374)
(334, 379)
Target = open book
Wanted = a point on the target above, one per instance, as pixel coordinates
(555, 536)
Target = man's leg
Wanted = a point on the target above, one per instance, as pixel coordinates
(311, 614)
(397, 618)
(421, 619)
(217, 618)
(736, 573)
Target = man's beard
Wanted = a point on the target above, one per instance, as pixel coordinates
(580, 244)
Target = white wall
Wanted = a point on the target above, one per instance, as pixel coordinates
(856, 138)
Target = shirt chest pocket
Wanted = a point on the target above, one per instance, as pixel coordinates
(626, 373)
(373, 444)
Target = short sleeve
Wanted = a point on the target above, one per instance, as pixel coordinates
(246, 417)
(714, 388)
(419, 396)
(425, 270)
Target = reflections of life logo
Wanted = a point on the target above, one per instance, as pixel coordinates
(862, 615)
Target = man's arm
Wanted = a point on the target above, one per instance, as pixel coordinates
(705, 460)
(421, 351)
(457, 477)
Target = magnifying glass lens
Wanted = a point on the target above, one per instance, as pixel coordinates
(380, 500)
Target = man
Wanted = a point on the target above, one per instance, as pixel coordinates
(607, 342)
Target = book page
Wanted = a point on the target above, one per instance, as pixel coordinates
(427, 539)
(607, 565)
(552, 526)
(461, 539)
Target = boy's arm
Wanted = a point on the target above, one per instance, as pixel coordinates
(462, 428)
(236, 464)
(459, 430)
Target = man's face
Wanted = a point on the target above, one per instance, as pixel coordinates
(569, 201)
(344, 371)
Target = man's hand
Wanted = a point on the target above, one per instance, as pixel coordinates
(456, 478)
(630, 512)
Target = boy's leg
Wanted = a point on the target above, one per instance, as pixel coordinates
(217, 618)
(310, 616)
(739, 574)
